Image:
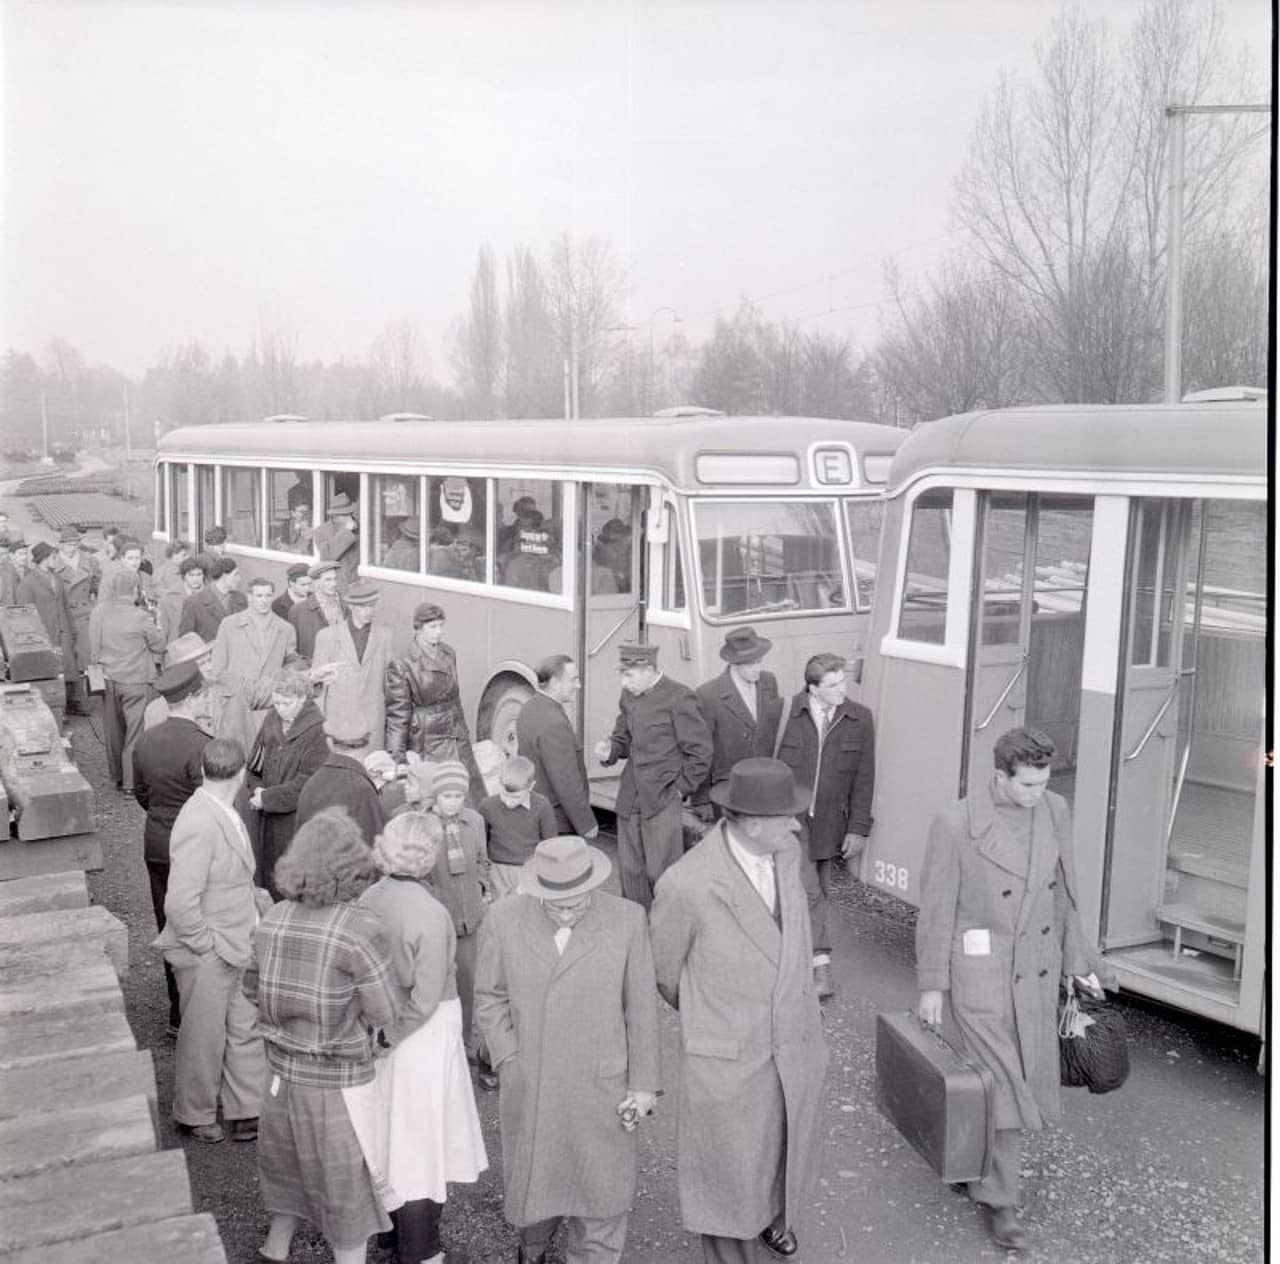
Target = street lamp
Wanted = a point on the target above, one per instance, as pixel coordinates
(572, 365)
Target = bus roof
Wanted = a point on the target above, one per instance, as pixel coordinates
(666, 446)
(1201, 440)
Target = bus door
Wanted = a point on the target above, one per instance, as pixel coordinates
(1027, 627)
(611, 557)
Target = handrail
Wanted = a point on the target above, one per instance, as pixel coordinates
(1008, 689)
(1155, 723)
(609, 635)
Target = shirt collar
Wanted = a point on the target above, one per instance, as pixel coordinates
(749, 860)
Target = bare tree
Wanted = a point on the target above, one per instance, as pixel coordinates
(532, 384)
(584, 286)
(399, 366)
(732, 373)
(832, 385)
(1225, 334)
(478, 341)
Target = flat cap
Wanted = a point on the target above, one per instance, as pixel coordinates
(319, 568)
(362, 593)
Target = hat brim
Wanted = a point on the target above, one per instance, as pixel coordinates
(601, 868)
(758, 650)
(719, 794)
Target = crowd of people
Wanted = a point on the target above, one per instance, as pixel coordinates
(360, 928)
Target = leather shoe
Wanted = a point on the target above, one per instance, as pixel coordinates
(211, 1134)
(1007, 1229)
(244, 1129)
(822, 981)
(781, 1242)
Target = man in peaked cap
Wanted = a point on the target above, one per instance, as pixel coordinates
(321, 609)
(661, 734)
(350, 658)
(338, 538)
(740, 708)
(297, 588)
(342, 780)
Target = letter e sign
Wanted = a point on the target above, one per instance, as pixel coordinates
(832, 467)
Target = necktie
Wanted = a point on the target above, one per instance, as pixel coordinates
(767, 885)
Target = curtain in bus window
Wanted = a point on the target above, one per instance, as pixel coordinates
(923, 616)
(612, 526)
(289, 510)
(240, 506)
(397, 521)
(530, 534)
(456, 528)
(759, 557)
(864, 519)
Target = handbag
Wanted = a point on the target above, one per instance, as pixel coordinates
(1093, 1047)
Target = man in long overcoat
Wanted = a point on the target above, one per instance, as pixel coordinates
(545, 735)
(661, 734)
(828, 742)
(41, 587)
(358, 652)
(740, 706)
(566, 1004)
(998, 931)
(79, 576)
(249, 650)
(342, 780)
(321, 609)
(730, 932)
(337, 539)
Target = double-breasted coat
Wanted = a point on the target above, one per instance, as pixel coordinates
(664, 739)
(736, 733)
(545, 735)
(570, 1035)
(979, 876)
(839, 765)
(39, 588)
(753, 1054)
(248, 654)
(358, 687)
(78, 585)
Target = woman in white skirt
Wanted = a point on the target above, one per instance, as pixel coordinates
(417, 1122)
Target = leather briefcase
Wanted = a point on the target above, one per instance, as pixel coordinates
(940, 1100)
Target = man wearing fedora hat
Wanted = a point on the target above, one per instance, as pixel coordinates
(338, 539)
(403, 553)
(661, 734)
(321, 609)
(350, 659)
(731, 948)
(566, 1003)
(343, 781)
(740, 708)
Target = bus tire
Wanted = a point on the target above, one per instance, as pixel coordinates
(502, 703)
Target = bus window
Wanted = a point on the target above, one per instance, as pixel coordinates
(768, 556)
(180, 523)
(289, 510)
(396, 522)
(456, 536)
(206, 507)
(161, 507)
(1156, 600)
(613, 528)
(864, 519)
(530, 529)
(1003, 553)
(923, 615)
(241, 505)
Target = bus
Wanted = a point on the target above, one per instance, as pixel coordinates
(1098, 573)
(543, 537)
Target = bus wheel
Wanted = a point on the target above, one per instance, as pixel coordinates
(502, 703)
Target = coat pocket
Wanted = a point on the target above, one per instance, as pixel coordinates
(712, 1047)
(980, 985)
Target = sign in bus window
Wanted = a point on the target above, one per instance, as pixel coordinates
(456, 540)
(529, 534)
(396, 522)
(289, 511)
(923, 615)
(241, 506)
(769, 557)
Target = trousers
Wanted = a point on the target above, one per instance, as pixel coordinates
(588, 1239)
(815, 875)
(158, 877)
(647, 847)
(717, 1250)
(220, 1056)
(122, 709)
(999, 1188)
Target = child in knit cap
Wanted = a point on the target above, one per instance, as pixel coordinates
(518, 818)
(460, 881)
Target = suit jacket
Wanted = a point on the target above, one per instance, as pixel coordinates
(202, 612)
(358, 687)
(248, 658)
(571, 1035)
(342, 782)
(308, 618)
(210, 904)
(839, 767)
(125, 641)
(736, 733)
(166, 773)
(754, 1056)
(664, 739)
(545, 735)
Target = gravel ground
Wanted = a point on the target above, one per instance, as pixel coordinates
(1167, 1169)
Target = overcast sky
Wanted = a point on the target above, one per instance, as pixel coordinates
(190, 170)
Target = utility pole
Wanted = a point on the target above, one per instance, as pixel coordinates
(1177, 123)
(44, 424)
(128, 449)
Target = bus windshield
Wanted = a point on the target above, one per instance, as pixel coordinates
(765, 557)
